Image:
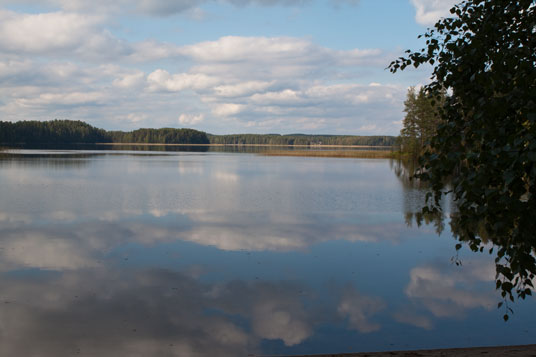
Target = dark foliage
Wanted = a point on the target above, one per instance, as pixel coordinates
(160, 136)
(485, 56)
(52, 132)
(77, 132)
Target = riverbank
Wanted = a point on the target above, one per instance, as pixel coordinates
(515, 351)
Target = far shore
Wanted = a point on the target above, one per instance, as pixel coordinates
(325, 151)
(350, 154)
(253, 145)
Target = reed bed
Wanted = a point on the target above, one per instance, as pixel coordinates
(351, 154)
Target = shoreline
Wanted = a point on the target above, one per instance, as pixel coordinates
(493, 351)
(347, 154)
(251, 145)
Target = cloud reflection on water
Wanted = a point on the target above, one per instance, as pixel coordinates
(113, 313)
(359, 309)
(448, 292)
(59, 244)
(166, 260)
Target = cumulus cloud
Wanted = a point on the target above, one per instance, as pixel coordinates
(130, 80)
(429, 11)
(255, 79)
(63, 99)
(257, 82)
(162, 80)
(282, 53)
(227, 109)
(229, 84)
(165, 7)
(191, 119)
(242, 89)
(161, 8)
(57, 32)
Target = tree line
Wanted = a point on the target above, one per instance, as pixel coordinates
(160, 136)
(301, 139)
(54, 131)
(71, 132)
(78, 132)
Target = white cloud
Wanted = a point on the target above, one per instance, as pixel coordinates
(429, 11)
(69, 99)
(275, 57)
(284, 97)
(162, 80)
(242, 89)
(227, 109)
(262, 83)
(130, 80)
(165, 7)
(159, 8)
(42, 32)
(368, 127)
(237, 49)
(57, 32)
(191, 119)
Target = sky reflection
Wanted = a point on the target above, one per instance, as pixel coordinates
(196, 254)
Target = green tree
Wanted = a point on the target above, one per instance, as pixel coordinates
(485, 56)
(410, 131)
(421, 120)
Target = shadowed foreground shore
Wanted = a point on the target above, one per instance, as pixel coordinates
(516, 351)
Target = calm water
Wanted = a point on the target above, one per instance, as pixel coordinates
(107, 253)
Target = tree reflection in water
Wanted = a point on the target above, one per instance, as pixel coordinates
(415, 212)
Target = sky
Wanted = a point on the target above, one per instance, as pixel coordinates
(225, 66)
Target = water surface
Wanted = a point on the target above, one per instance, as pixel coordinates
(138, 253)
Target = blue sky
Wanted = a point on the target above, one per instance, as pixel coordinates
(227, 66)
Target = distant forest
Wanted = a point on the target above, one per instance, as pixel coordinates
(301, 139)
(71, 132)
(78, 132)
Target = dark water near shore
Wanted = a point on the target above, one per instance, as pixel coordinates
(203, 253)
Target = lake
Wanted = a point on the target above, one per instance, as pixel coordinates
(171, 253)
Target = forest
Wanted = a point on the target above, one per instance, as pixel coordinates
(78, 132)
(301, 139)
(50, 132)
(71, 132)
